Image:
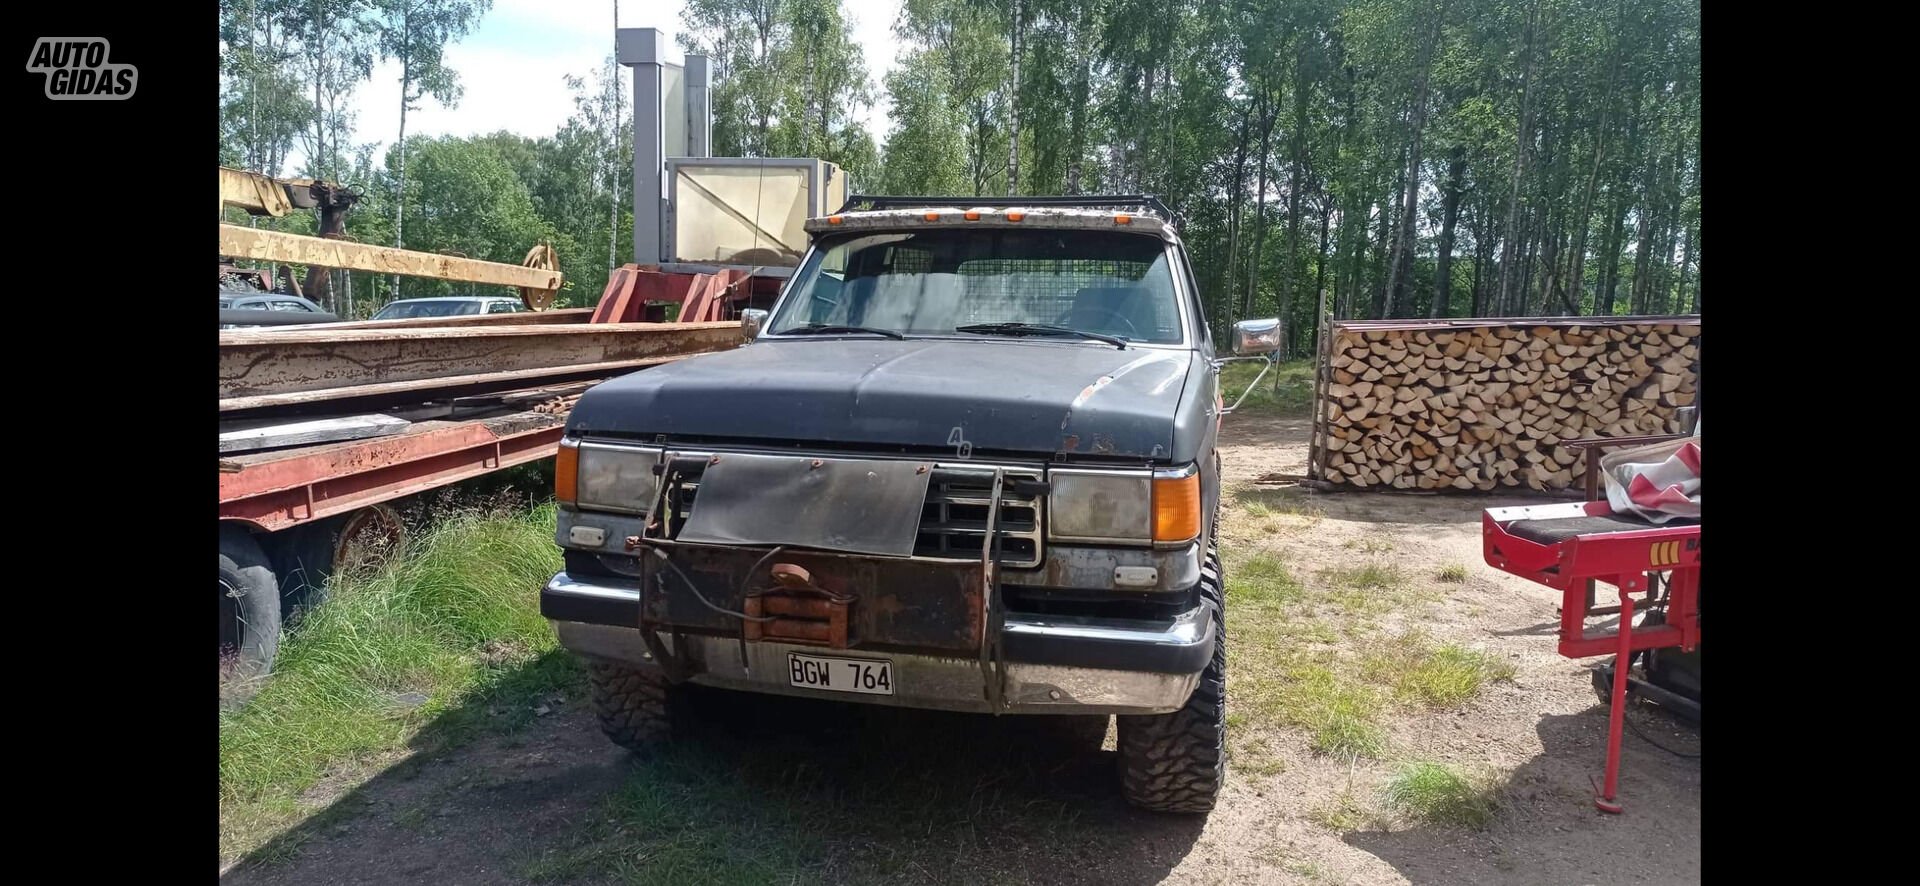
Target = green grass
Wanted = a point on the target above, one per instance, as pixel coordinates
(1286, 391)
(1422, 674)
(1307, 655)
(1368, 590)
(1452, 573)
(1434, 793)
(1263, 581)
(456, 619)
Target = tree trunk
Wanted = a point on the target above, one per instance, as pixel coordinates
(1296, 169)
(613, 150)
(1236, 199)
(400, 189)
(1686, 264)
(1508, 252)
(1077, 111)
(1320, 272)
(1013, 99)
(1269, 112)
(1484, 274)
(1400, 270)
(1382, 246)
(1449, 216)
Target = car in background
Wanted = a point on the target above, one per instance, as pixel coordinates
(241, 309)
(449, 306)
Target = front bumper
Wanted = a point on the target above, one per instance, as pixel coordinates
(1048, 664)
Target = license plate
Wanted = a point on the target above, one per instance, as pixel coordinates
(866, 676)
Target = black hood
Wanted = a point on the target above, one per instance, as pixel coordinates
(1002, 395)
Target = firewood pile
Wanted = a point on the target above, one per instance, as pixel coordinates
(1443, 406)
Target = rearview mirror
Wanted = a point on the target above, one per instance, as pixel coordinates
(751, 320)
(1255, 337)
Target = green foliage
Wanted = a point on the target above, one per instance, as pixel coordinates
(1289, 133)
(792, 80)
(1551, 147)
(450, 622)
(1435, 794)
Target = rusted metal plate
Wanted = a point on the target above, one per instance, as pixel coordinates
(276, 492)
(255, 363)
(920, 604)
(855, 505)
(442, 386)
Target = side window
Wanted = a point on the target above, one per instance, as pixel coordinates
(255, 305)
(503, 307)
(288, 306)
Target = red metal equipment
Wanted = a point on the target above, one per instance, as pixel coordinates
(1565, 546)
(637, 293)
(272, 491)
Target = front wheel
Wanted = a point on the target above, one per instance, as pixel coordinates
(635, 707)
(1177, 762)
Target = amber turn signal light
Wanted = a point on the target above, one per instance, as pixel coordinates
(1176, 508)
(566, 472)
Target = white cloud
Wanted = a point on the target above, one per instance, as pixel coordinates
(512, 67)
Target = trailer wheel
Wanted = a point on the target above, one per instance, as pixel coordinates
(249, 615)
(1177, 762)
(309, 555)
(636, 707)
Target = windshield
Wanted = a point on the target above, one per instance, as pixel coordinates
(406, 310)
(935, 282)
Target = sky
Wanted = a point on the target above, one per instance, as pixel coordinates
(513, 66)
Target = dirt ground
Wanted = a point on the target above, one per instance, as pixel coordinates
(773, 791)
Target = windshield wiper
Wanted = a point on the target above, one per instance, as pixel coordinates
(831, 328)
(1039, 329)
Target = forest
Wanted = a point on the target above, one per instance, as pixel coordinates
(1368, 158)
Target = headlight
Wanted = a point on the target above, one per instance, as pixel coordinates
(609, 478)
(1100, 506)
(1132, 507)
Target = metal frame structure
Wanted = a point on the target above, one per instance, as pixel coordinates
(288, 489)
(1625, 559)
(1145, 202)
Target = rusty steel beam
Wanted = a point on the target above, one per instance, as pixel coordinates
(522, 318)
(259, 363)
(279, 491)
(400, 392)
(274, 246)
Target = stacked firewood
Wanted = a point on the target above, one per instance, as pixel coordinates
(1481, 407)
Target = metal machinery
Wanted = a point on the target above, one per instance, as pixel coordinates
(1574, 546)
(714, 235)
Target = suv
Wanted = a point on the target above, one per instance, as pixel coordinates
(967, 462)
(449, 306)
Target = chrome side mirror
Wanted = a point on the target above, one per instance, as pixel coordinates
(751, 320)
(1252, 338)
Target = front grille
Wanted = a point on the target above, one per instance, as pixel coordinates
(953, 522)
(953, 519)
